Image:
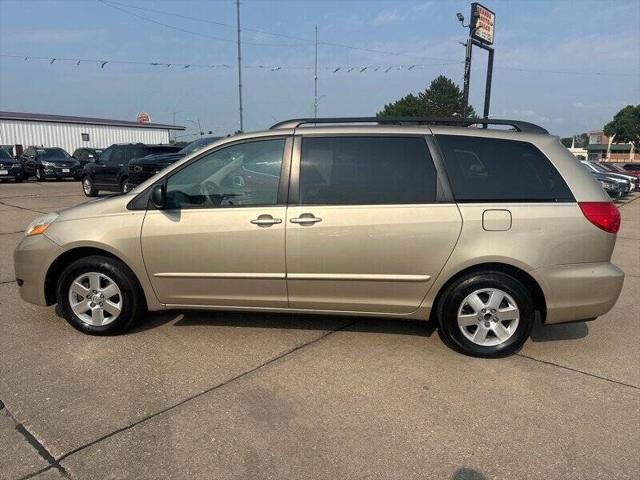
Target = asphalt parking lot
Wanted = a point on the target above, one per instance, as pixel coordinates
(241, 395)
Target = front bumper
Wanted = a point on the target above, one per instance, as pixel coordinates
(32, 258)
(579, 291)
(58, 172)
(12, 172)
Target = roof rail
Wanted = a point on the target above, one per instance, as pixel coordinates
(524, 127)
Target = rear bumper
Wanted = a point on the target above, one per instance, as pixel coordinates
(32, 258)
(578, 291)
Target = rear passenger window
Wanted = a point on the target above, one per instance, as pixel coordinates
(495, 170)
(365, 171)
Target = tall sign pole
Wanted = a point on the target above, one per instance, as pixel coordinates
(481, 32)
(467, 73)
(239, 66)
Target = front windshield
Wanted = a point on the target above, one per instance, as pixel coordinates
(52, 154)
(4, 155)
(598, 167)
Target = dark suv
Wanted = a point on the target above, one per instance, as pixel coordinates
(10, 167)
(46, 163)
(87, 155)
(110, 171)
(143, 168)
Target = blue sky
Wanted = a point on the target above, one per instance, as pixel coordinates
(567, 65)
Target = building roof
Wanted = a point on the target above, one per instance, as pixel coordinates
(43, 117)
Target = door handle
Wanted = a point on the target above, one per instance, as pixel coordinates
(305, 218)
(266, 221)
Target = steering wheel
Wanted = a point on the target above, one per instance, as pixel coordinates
(209, 190)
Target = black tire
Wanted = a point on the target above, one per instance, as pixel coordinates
(133, 302)
(88, 187)
(39, 175)
(453, 298)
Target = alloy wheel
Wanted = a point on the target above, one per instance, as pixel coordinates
(95, 299)
(488, 317)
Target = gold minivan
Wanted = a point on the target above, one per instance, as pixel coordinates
(477, 229)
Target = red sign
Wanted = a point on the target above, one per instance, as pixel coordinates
(484, 25)
(143, 117)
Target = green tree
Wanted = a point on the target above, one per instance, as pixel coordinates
(581, 141)
(443, 98)
(625, 126)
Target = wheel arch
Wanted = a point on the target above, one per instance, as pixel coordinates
(61, 262)
(521, 275)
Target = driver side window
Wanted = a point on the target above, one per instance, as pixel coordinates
(228, 177)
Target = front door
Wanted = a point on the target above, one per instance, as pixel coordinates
(107, 173)
(220, 241)
(364, 230)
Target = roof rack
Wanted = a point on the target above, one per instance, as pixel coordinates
(524, 127)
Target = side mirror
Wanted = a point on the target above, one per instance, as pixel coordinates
(158, 196)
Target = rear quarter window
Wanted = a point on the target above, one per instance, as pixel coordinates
(498, 170)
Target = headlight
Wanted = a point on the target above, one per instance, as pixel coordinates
(47, 164)
(40, 225)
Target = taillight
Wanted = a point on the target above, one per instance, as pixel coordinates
(603, 215)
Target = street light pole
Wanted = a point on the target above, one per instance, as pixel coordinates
(173, 123)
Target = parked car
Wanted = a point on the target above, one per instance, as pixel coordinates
(87, 155)
(406, 220)
(615, 168)
(10, 168)
(140, 169)
(44, 163)
(611, 169)
(625, 184)
(110, 171)
(614, 189)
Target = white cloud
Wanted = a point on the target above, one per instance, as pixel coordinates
(421, 7)
(385, 17)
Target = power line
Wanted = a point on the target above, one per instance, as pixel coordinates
(112, 3)
(342, 68)
(190, 32)
(274, 68)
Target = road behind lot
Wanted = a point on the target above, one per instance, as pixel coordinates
(241, 395)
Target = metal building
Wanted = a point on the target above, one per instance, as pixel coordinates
(67, 132)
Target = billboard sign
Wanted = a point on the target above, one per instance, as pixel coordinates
(484, 21)
(143, 117)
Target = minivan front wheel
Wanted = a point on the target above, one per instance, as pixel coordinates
(486, 315)
(99, 295)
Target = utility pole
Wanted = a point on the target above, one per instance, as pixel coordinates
(315, 80)
(239, 67)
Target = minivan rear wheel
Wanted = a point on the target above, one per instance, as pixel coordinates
(100, 295)
(486, 314)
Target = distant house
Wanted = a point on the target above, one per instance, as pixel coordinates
(69, 133)
(604, 148)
